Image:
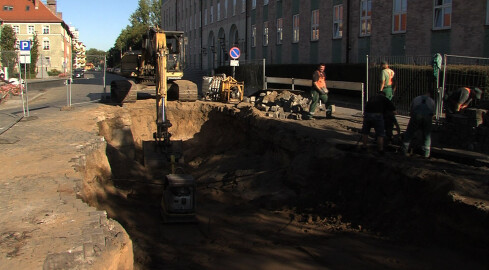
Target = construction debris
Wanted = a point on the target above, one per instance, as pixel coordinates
(283, 104)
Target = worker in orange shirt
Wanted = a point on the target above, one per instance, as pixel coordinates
(319, 91)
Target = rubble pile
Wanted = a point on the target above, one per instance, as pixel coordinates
(283, 104)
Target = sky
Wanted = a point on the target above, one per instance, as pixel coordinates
(99, 22)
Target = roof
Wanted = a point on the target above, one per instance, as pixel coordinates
(24, 11)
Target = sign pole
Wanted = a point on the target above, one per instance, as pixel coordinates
(26, 93)
(21, 89)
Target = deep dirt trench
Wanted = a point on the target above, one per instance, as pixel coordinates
(279, 195)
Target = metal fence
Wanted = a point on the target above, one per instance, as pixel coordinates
(463, 71)
(413, 76)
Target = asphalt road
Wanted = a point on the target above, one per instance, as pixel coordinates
(84, 90)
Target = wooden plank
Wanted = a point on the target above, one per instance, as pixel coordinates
(279, 80)
(303, 82)
(345, 85)
(356, 86)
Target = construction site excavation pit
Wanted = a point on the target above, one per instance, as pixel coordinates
(281, 194)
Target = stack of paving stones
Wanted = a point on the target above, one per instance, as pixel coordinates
(468, 130)
(283, 104)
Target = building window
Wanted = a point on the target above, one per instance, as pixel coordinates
(205, 17)
(8, 8)
(280, 30)
(442, 17)
(315, 25)
(211, 19)
(45, 44)
(338, 21)
(45, 29)
(234, 7)
(225, 11)
(218, 11)
(295, 28)
(399, 16)
(265, 34)
(253, 4)
(243, 6)
(365, 17)
(16, 29)
(17, 44)
(27, 8)
(253, 36)
(30, 29)
(487, 13)
(265, 2)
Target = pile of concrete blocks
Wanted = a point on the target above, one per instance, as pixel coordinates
(283, 104)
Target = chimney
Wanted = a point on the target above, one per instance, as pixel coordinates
(52, 5)
(36, 4)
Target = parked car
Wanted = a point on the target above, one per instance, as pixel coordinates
(78, 73)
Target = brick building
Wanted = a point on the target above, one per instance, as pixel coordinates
(311, 31)
(28, 17)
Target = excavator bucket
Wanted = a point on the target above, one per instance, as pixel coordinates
(122, 91)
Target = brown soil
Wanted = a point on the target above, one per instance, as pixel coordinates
(284, 194)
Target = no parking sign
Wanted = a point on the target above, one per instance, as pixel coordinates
(234, 53)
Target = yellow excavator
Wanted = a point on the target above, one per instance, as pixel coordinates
(161, 63)
(143, 69)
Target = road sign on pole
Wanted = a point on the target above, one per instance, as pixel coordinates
(25, 45)
(234, 53)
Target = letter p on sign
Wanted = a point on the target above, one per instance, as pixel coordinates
(25, 45)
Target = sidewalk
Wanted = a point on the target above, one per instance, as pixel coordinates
(43, 222)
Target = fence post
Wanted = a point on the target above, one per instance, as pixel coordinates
(440, 108)
(105, 74)
(264, 62)
(366, 87)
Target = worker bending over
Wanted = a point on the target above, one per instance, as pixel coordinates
(461, 98)
(422, 111)
(375, 110)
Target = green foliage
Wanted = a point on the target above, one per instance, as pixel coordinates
(7, 45)
(34, 54)
(147, 14)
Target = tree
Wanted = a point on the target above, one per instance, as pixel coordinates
(147, 14)
(155, 15)
(34, 54)
(96, 57)
(8, 40)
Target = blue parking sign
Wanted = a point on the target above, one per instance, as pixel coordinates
(25, 45)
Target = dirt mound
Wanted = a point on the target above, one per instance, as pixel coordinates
(268, 187)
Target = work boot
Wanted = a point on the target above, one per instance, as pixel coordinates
(405, 148)
(309, 116)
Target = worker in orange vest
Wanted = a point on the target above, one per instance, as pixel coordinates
(387, 81)
(319, 91)
(461, 99)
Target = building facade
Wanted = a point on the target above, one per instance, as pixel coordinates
(212, 28)
(31, 17)
(79, 50)
(331, 31)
